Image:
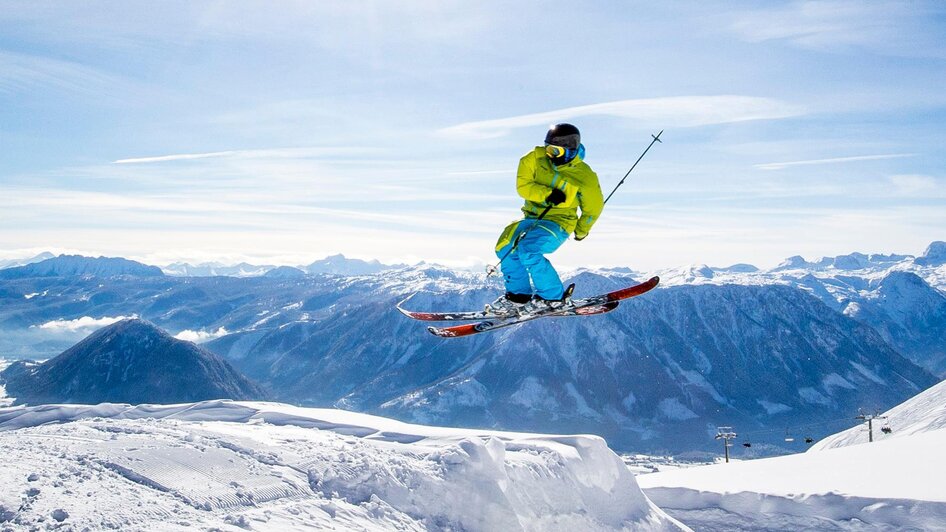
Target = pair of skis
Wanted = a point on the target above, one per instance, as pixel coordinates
(484, 321)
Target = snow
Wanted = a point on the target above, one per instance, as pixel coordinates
(841, 483)
(268, 466)
(923, 413)
(673, 409)
(4, 400)
(894, 484)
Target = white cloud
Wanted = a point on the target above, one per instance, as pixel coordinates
(80, 324)
(835, 160)
(913, 184)
(679, 111)
(891, 28)
(199, 337)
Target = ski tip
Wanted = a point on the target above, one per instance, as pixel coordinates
(400, 305)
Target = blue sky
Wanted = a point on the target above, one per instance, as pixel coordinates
(285, 132)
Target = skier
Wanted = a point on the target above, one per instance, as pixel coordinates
(555, 176)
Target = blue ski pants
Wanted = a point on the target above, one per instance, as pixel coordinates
(528, 261)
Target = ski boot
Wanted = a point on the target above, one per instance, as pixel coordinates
(508, 304)
(539, 305)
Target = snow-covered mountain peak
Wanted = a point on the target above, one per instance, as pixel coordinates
(842, 263)
(899, 283)
(691, 274)
(129, 361)
(736, 268)
(795, 262)
(11, 263)
(935, 255)
(341, 265)
(285, 272)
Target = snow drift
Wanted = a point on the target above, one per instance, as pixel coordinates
(260, 466)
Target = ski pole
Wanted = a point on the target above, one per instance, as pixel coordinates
(656, 139)
(493, 268)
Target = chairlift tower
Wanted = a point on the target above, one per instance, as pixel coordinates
(727, 435)
(869, 419)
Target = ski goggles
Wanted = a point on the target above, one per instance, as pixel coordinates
(558, 152)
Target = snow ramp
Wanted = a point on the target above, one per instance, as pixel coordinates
(268, 466)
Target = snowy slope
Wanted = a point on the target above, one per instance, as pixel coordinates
(924, 413)
(892, 485)
(5, 400)
(840, 483)
(267, 466)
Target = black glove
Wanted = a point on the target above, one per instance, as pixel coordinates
(556, 197)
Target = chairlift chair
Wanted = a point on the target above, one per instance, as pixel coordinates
(886, 429)
(788, 436)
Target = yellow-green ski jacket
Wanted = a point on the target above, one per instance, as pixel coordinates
(536, 178)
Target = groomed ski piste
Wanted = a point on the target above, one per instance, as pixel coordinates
(266, 466)
(842, 483)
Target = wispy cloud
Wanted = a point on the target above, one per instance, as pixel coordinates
(176, 157)
(834, 160)
(480, 172)
(83, 323)
(890, 28)
(274, 153)
(679, 111)
(914, 184)
(23, 72)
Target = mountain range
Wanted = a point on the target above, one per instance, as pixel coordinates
(799, 345)
(77, 265)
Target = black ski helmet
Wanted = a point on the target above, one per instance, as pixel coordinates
(564, 135)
